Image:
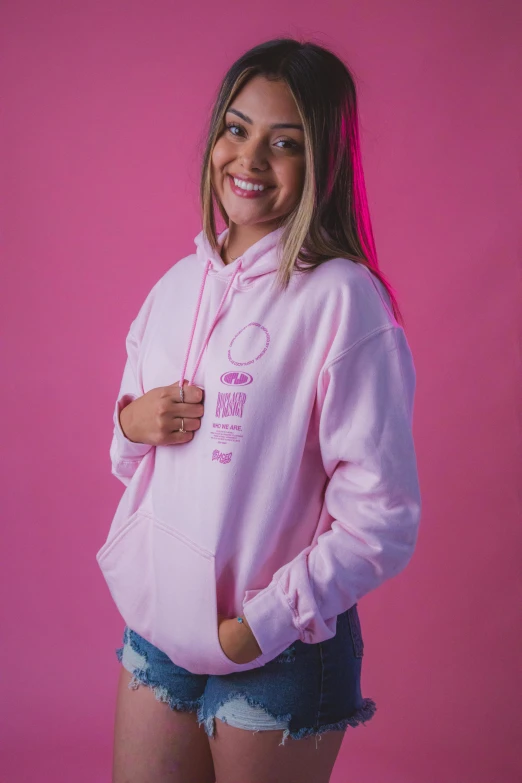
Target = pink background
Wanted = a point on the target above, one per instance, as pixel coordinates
(104, 106)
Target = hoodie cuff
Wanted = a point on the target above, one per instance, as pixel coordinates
(127, 449)
(271, 619)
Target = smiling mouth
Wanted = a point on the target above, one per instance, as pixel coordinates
(248, 191)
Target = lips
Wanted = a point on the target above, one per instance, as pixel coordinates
(247, 194)
(250, 180)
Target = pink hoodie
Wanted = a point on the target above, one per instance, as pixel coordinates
(299, 493)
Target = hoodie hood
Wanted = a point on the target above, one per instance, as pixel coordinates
(259, 259)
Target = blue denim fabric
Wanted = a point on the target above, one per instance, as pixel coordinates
(307, 690)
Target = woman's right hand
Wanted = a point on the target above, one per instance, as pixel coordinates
(155, 417)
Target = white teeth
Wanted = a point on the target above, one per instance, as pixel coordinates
(247, 185)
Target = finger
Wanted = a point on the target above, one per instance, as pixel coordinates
(189, 410)
(177, 438)
(188, 424)
(191, 393)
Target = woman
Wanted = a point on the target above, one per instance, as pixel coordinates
(275, 483)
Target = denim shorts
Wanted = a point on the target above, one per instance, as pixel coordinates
(306, 690)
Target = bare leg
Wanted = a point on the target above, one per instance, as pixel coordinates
(156, 744)
(242, 756)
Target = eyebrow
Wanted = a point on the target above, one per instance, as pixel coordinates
(272, 127)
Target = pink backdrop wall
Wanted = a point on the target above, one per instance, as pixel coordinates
(104, 105)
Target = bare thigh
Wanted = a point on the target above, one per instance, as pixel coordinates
(156, 744)
(242, 756)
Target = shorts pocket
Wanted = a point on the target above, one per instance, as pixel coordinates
(355, 631)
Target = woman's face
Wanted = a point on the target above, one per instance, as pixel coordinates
(252, 149)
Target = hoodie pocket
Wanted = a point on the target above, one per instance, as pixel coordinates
(185, 613)
(124, 560)
(184, 606)
(164, 586)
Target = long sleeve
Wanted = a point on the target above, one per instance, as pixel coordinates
(126, 455)
(366, 397)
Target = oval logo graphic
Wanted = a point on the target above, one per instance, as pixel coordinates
(235, 378)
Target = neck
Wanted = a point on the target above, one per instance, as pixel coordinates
(240, 238)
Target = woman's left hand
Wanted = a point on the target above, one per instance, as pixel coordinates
(237, 640)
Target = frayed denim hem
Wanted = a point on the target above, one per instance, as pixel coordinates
(136, 663)
(360, 716)
(141, 677)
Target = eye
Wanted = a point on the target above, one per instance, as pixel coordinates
(231, 125)
(291, 144)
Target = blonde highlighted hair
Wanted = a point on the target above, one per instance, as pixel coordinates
(332, 219)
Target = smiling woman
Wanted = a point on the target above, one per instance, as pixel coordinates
(258, 164)
(286, 117)
(246, 536)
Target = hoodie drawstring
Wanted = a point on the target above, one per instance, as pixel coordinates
(211, 327)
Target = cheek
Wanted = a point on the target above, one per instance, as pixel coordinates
(293, 178)
(220, 155)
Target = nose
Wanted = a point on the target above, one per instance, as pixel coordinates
(253, 154)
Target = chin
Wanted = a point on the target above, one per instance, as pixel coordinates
(241, 218)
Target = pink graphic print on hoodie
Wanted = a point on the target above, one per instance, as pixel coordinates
(299, 494)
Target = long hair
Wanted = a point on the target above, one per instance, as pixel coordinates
(331, 219)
